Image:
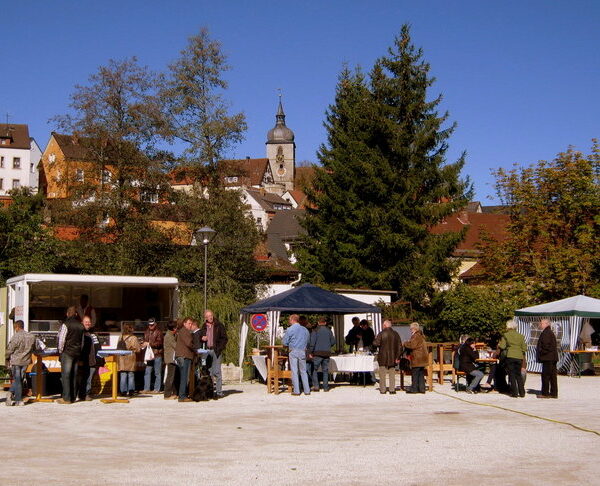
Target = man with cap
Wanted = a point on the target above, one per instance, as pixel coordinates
(153, 337)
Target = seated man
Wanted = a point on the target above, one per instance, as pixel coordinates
(467, 363)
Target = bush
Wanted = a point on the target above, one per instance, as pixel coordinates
(480, 311)
(226, 309)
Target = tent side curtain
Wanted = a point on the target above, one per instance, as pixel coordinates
(566, 329)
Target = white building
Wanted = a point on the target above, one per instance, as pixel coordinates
(19, 158)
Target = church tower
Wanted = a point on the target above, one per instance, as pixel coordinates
(281, 152)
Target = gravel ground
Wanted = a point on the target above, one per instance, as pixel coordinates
(349, 436)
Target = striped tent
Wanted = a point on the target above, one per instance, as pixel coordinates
(567, 317)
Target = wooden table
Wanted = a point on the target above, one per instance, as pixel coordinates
(441, 368)
(112, 363)
(39, 377)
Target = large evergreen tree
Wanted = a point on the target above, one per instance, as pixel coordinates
(384, 182)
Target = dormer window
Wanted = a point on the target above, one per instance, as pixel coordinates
(150, 197)
(106, 176)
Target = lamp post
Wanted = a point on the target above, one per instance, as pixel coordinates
(205, 235)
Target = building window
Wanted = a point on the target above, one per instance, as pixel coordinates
(16, 162)
(2, 162)
(1, 184)
(231, 180)
(79, 175)
(16, 183)
(31, 168)
(149, 197)
(105, 176)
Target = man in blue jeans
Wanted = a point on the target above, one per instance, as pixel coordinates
(296, 339)
(184, 354)
(18, 352)
(153, 337)
(320, 345)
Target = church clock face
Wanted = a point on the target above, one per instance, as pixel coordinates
(280, 160)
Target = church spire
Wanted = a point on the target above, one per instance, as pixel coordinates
(280, 133)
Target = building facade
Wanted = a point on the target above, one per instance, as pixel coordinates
(19, 158)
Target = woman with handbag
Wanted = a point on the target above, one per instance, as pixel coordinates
(127, 363)
(419, 358)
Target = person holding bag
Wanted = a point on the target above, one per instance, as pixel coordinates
(127, 363)
(154, 345)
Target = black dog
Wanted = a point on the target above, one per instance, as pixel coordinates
(205, 389)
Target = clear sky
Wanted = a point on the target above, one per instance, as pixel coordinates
(520, 78)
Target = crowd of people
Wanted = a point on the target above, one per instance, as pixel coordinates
(177, 352)
(310, 350)
(509, 359)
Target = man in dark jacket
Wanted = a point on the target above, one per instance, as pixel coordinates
(352, 336)
(366, 334)
(390, 350)
(547, 354)
(70, 344)
(89, 360)
(214, 334)
(468, 355)
(153, 337)
(319, 349)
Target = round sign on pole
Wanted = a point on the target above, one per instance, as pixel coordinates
(259, 322)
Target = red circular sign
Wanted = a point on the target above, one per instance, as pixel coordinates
(259, 322)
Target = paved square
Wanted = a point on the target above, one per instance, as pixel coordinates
(349, 436)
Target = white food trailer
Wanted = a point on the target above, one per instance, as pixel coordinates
(40, 301)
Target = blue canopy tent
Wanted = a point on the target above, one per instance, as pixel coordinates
(567, 317)
(306, 299)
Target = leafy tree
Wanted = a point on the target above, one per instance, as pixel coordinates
(26, 245)
(554, 230)
(232, 268)
(116, 120)
(195, 109)
(480, 311)
(384, 182)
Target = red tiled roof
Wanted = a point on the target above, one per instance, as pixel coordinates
(299, 197)
(250, 172)
(476, 271)
(19, 135)
(180, 177)
(70, 146)
(492, 224)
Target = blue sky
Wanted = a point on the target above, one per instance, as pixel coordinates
(520, 78)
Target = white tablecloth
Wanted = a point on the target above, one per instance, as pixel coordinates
(260, 361)
(337, 364)
(350, 362)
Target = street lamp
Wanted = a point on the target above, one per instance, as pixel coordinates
(205, 235)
